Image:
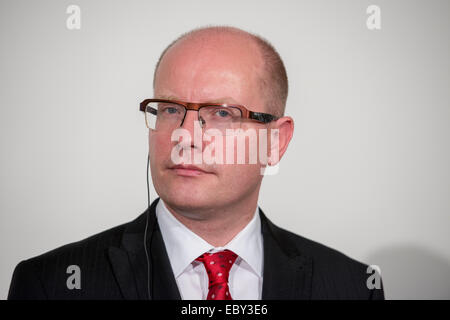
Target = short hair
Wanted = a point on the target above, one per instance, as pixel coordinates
(274, 81)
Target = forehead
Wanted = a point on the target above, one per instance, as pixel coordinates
(210, 67)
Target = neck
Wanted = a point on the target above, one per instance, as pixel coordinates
(219, 225)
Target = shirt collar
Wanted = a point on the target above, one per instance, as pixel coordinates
(184, 246)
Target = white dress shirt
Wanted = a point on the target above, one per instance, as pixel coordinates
(183, 247)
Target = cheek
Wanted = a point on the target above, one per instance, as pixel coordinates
(239, 179)
(249, 150)
(241, 160)
(159, 144)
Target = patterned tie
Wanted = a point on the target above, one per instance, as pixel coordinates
(218, 266)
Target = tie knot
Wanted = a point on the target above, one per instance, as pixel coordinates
(218, 265)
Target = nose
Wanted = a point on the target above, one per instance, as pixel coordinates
(190, 120)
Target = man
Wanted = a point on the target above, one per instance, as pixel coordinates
(205, 237)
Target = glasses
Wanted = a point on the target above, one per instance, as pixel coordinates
(163, 114)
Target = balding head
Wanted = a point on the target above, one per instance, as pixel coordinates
(245, 50)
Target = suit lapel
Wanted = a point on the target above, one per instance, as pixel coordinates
(129, 262)
(123, 272)
(287, 272)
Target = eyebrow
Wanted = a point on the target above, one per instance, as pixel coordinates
(226, 100)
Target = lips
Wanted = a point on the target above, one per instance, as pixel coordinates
(188, 170)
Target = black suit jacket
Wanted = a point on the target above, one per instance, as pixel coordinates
(113, 265)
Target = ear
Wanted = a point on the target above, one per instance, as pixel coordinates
(280, 138)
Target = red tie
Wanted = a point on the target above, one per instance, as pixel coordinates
(218, 267)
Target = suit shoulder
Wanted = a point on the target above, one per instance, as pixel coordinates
(94, 243)
(321, 252)
(334, 274)
(91, 250)
(314, 249)
(44, 276)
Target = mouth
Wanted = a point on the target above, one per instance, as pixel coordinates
(188, 170)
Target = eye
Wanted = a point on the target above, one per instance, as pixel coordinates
(223, 113)
(169, 109)
(220, 113)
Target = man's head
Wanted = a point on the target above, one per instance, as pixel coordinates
(217, 65)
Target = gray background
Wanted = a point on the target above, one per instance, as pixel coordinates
(367, 171)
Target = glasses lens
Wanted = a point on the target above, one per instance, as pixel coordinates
(160, 115)
(221, 118)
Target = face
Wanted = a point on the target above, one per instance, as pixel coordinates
(224, 70)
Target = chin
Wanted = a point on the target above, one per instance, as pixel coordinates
(189, 202)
